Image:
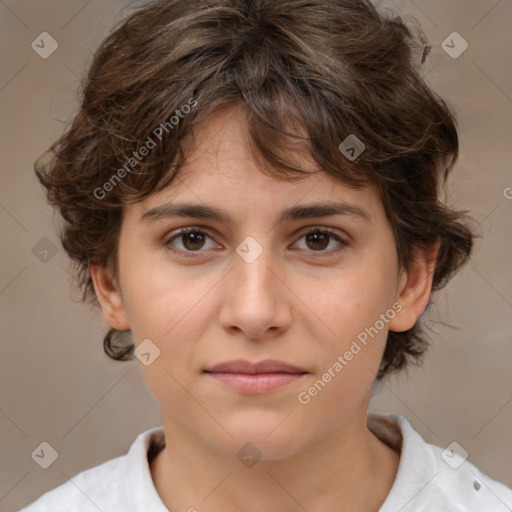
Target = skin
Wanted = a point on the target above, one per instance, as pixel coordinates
(298, 302)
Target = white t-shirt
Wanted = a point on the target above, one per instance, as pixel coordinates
(427, 481)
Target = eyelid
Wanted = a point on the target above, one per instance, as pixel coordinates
(175, 233)
(343, 240)
(325, 229)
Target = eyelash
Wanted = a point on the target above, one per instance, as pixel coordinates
(315, 254)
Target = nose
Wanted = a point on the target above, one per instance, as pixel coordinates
(256, 299)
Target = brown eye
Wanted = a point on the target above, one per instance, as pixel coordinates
(190, 241)
(193, 240)
(318, 240)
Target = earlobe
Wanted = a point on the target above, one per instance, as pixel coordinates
(109, 297)
(414, 290)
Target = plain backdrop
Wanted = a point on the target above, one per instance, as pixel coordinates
(56, 384)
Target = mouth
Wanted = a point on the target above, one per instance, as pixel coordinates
(255, 378)
(253, 368)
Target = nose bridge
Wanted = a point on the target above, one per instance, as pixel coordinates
(252, 268)
(254, 303)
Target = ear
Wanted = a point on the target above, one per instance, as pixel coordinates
(109, 296)
(414, 289)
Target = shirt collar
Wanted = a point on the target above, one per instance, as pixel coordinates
(416, 469)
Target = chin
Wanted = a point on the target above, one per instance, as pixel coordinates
(266, 437)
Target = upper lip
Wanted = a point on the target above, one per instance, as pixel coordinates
(243, 366)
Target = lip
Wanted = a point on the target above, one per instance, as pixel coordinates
(244, 366)
(255, 377)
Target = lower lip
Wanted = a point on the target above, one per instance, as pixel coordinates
(254, 384)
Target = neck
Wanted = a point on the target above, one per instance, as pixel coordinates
(347, 469)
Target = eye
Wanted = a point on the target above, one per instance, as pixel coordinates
(320, 239)
(190, 240)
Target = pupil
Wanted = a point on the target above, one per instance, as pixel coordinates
(196, 239)
(315, 238)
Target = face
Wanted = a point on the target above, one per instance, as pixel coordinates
(257, 269)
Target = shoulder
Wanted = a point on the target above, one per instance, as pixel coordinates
(431, 478)
(84, 491)
(458, 482)
(114, 485)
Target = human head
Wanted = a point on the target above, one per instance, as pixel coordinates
(307, 74)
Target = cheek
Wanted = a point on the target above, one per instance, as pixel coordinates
(352, 333)
(351, 340)
(154, 298)
(170, 307)
(348, 302)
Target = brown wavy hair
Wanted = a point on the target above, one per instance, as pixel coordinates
(331, 67)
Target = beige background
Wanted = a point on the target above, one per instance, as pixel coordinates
(56, 384)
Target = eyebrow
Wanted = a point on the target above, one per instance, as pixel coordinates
(306, 211)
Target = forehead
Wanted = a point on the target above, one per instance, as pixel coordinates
(223, 171)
